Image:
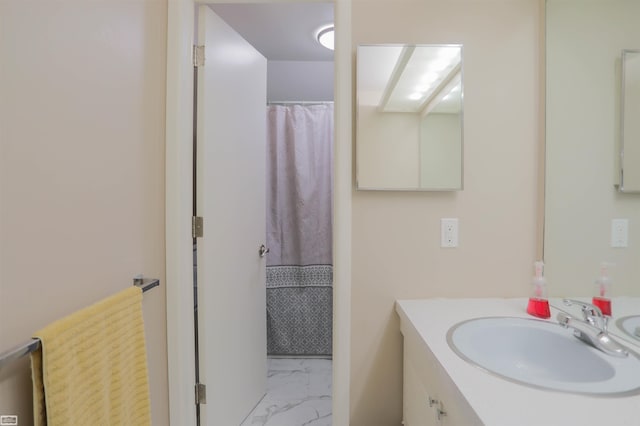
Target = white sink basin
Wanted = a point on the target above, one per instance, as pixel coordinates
(630, 325)
(543, 354)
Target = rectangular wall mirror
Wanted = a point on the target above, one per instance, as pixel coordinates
(409, 128)
(584, 41)
(630, 125)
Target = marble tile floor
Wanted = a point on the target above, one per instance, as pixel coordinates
(298, 394)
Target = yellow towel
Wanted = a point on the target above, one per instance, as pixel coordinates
(93, 366)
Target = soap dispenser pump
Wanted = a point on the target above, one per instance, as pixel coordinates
(602, 294)
(538, 304)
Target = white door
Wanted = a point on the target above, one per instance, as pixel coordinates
(230, 191)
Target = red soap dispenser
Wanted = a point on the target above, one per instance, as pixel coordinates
(538, 304)
(602, 295)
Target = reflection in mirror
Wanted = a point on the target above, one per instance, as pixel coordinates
(409, 117)
(584, 40)
(630, 127)
(630, 325)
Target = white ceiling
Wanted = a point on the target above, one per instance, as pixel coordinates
(280, 31)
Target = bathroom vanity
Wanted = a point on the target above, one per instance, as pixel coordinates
(441, 388)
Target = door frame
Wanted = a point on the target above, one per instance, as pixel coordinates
(178, 209)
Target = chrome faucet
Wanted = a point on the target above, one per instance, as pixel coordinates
(590, 313)
(592, 329)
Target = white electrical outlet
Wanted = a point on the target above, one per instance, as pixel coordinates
(449, 232)
(620, 233)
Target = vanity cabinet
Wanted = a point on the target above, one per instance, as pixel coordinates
(469, 396)
(430, 398)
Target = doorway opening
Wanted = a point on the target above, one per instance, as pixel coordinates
(298, 283)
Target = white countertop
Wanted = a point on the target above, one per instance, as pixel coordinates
(498, 402)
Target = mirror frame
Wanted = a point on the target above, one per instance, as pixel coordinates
(624, 98)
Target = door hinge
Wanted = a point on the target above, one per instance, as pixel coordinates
(198, 56)
(201, 393)
(197, 227)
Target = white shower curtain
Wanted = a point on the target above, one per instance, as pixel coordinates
(299, 229)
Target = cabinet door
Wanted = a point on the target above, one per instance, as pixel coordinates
(425, 380)
(416, 408)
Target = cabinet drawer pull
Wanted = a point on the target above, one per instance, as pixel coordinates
(441, 413)
(433, 402)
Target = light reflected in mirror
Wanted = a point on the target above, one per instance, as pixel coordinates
(630, 125)
(584, 41)
(409, 117)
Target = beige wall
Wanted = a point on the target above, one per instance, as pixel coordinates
(585, 40)
(81, 170)
(396, 236)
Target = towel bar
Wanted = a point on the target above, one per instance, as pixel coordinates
(34, 344)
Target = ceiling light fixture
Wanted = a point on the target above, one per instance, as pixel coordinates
(325, 36)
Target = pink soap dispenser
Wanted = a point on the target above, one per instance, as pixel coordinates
(538, 304)
(602, 294)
